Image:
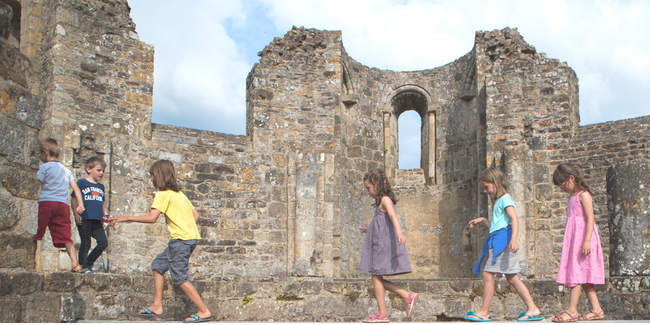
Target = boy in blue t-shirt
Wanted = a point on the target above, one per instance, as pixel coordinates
(89, 223)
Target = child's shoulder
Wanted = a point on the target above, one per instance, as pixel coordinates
(54, 167)
(584, 195)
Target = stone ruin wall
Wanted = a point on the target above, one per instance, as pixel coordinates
(280, 205)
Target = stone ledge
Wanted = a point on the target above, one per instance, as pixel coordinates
(27, 295)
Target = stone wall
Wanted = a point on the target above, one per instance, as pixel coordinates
(20, 122)
(96, 83)
(66, 297)
(531, 110)
(280, 206)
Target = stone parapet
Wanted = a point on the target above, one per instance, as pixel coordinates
(27, 296)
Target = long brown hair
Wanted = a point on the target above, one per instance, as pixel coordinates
(163, 176)
(498, 178)
(564, 171)
(378, 179)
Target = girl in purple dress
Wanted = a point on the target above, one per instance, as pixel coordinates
(384, 250)
(581, 264)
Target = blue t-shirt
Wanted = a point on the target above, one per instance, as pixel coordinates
(92, 195)
(500, 219)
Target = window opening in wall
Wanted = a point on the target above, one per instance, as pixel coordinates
(13, 34)
(410, 150)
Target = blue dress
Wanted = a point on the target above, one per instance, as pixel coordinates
(381, 255)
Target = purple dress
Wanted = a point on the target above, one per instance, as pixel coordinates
(381, 255)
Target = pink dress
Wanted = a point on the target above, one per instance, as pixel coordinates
(574, 268)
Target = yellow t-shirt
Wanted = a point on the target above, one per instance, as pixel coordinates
(178, 213)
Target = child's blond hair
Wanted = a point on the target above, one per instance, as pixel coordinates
(51, 146)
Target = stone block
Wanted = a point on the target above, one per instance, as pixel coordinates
(29, 219)
(9, 212)
(10, 307)
(62, 282)
(334, 286)
(98, 282)
(543, 192)
(460, 285)
(20, 181)
(43, 308)
(306, 185)
(547, 287)
(18, 251)
(111, 306)
(24, 283)
(311, 287)
(14, 139)
(245, 289)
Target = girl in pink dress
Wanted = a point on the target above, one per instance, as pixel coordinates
(581, 264)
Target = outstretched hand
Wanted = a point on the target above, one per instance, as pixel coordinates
(476, 221)
(115, 220)
(363, 229)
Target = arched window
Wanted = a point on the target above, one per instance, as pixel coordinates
(409, 127)
(409, 133)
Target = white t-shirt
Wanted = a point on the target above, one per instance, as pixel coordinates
(55, 182)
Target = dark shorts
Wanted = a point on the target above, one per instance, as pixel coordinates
(56, 216)
(176, 259)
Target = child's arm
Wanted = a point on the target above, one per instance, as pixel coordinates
(196, 215)
(363, 229)
(482, 220)
(588, 209)
(514, 221)
(151, 218)
(386, 203)
(73, 204)
(77, 194)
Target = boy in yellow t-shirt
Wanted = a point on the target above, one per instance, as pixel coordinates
(181, 217)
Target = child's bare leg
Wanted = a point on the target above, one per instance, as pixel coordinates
(37, 255)
(69, 247)
(191, 293)
(523, 292)
(488, 293)
(158, 284)
(378, 282)
(392, 287)
(574, 296)
(590, 292)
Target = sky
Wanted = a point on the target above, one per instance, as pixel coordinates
(204, 49)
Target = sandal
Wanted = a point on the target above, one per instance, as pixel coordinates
(559, 319)
(73, 269)
(410, 302)
(376, 318)
(594, 316)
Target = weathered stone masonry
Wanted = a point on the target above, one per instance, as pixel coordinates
(280, 205)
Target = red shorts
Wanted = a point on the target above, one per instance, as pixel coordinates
(56, 216)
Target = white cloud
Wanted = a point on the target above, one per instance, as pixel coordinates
(205, 50)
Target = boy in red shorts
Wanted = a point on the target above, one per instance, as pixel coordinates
(53, 209)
